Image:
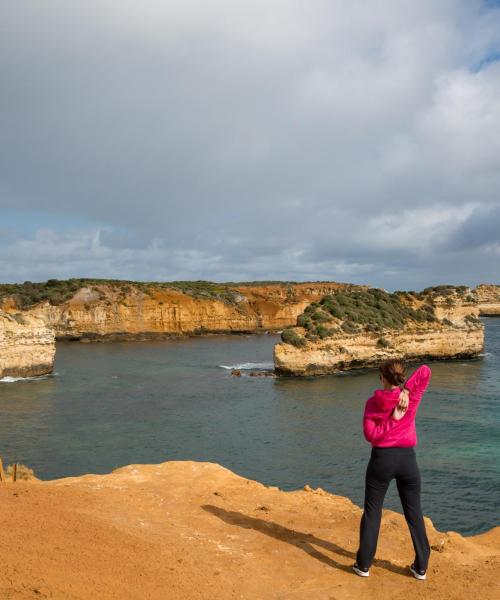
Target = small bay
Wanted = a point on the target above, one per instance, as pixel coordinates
(113, 404)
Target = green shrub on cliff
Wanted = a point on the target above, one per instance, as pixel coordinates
(444, 290)
(290, 336)
(383, 343)
(349, 327)
(473, 319)
(371, 310)
(58, 291)
(28, 293)
(323, 332)
(305, 321)
(321, 316)
(312, 337)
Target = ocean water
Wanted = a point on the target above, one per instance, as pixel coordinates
(113, 404)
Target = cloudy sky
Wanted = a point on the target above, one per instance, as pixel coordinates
(236, 140)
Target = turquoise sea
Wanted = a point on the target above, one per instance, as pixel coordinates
(113, 404)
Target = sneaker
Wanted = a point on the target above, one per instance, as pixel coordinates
(359, 571)
(416, 573)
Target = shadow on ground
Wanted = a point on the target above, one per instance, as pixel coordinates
(299, 539)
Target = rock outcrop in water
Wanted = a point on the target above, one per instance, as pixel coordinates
(489, 299)
(197, 531)
(356, 329)
(124, 310)
(27, 346)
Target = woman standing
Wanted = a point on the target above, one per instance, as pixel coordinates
(389, 424)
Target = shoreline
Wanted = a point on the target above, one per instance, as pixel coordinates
(154, 336)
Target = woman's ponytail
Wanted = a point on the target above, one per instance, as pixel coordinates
(394, 371)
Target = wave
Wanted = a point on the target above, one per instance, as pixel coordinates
(10, 379)
(250, 365)
(486, 355)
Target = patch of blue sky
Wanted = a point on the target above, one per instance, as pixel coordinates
(26, 222)
(486, 61)
(492, 3)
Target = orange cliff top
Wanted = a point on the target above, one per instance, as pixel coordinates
(190, 530)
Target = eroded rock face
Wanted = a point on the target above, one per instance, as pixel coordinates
(489, 299)
(104, 312)
(27, 346)
(457, 333)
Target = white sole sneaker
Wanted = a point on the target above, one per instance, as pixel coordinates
(359, 572)
(416, 574)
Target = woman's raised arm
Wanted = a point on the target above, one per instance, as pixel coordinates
(418, 382)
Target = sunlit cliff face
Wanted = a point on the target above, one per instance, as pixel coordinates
(128, 311)
(27, 346)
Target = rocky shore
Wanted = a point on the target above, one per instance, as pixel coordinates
(197, 531)
(27, 346)
(362, 329)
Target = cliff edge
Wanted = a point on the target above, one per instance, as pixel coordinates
(197, 531)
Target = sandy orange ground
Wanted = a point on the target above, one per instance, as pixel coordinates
(187, 530)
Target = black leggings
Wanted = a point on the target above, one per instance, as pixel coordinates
(386, 464)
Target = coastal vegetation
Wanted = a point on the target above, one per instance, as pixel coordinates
(352, 329)
(30, 293)
(57, 291)
(372, 310)
(290, 336)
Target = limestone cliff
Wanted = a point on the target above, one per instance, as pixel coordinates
(197, 531)
(135, 311)
(489, 299)
(439, 323)
(27, 346)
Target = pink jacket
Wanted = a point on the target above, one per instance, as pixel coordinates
(378, 425)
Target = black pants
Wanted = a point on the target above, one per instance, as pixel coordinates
(386, 464)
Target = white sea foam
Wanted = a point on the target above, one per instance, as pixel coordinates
(9, 379)
(249, 365)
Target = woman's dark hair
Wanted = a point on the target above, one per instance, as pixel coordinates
(394, 371)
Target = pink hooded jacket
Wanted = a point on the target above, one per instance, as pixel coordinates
(378, 425)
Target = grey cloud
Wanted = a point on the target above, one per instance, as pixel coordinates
(86, 257)
(481, 229)
(121, 239)
(7, 235)
(261, 141)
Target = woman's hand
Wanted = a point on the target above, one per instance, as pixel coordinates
(404, 399)
(400, 410)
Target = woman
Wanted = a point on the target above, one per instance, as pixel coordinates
(389, 424)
